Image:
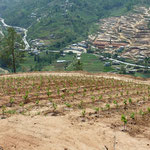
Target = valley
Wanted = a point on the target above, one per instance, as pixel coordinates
(74, 75)
(124, 39)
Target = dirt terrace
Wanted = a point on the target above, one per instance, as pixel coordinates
(59, 111)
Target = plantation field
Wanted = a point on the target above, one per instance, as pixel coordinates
(74, 111)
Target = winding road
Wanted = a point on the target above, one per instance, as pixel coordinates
(27, 46)
(126, 63)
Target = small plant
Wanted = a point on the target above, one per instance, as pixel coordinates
(116, 103)
(3, 110)
(127, 92)
(121, 93)
(54, 106)
(93, 99)
(124, 120)
(97, 109)
(37, 101)
(80, 105)
(130, 101)
(132, 115)
(141, 113)
(100, 97)
(144, 98)
(21, 104)
(148, 109)
(58, 91)
(72, 94)
(11, 101)
(125, 102)
(68, 105)
(63, 96)
(48, 93)
(11, 112)
(83, 112)
(25, 97)
(108, 106)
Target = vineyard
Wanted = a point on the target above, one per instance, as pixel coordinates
(123, 105)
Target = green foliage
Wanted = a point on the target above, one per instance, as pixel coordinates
(91, 63)
(116, 103)
(93, 99)
(48, 93)
(100, 97)
(11, 101)
(78, 65)
(3, 109)
(97, 109)
(132, 115)
(80, 105)
(21, 104)
(108, 106)
(125, 102)
(54, 106)
(83, 113)
(68, 105)
(37, 102)
(124, 120)
(11, 111)
(122, 70)
(26, 96)
(148, 109)
(10, 54)
(141, 113)
(130, 101)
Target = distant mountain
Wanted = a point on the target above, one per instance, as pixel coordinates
(60, 22)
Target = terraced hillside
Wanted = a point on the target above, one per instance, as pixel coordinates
(130, 32)
(74, 111)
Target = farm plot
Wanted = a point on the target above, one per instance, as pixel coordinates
(125, 106)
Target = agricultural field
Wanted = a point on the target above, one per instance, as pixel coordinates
(69, 111)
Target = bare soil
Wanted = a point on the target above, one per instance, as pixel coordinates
(32, 122)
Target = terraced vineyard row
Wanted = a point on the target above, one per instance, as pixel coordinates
(92, 98)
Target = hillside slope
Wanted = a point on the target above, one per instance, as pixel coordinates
(61, 21)
(30, 121)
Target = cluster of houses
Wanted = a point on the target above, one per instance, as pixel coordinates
(77, 48)
(127, 35)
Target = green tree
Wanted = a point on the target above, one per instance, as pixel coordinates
(122, 70)
(78, 65)
(10, 54)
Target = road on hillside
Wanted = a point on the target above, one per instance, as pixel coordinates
(27, 46)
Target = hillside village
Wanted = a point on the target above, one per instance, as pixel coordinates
(128, 36)
(121, 42)
(123, 38)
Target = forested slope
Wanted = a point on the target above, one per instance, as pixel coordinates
(62, 21)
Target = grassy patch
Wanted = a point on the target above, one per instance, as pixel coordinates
(91, 63)
(143, 75)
